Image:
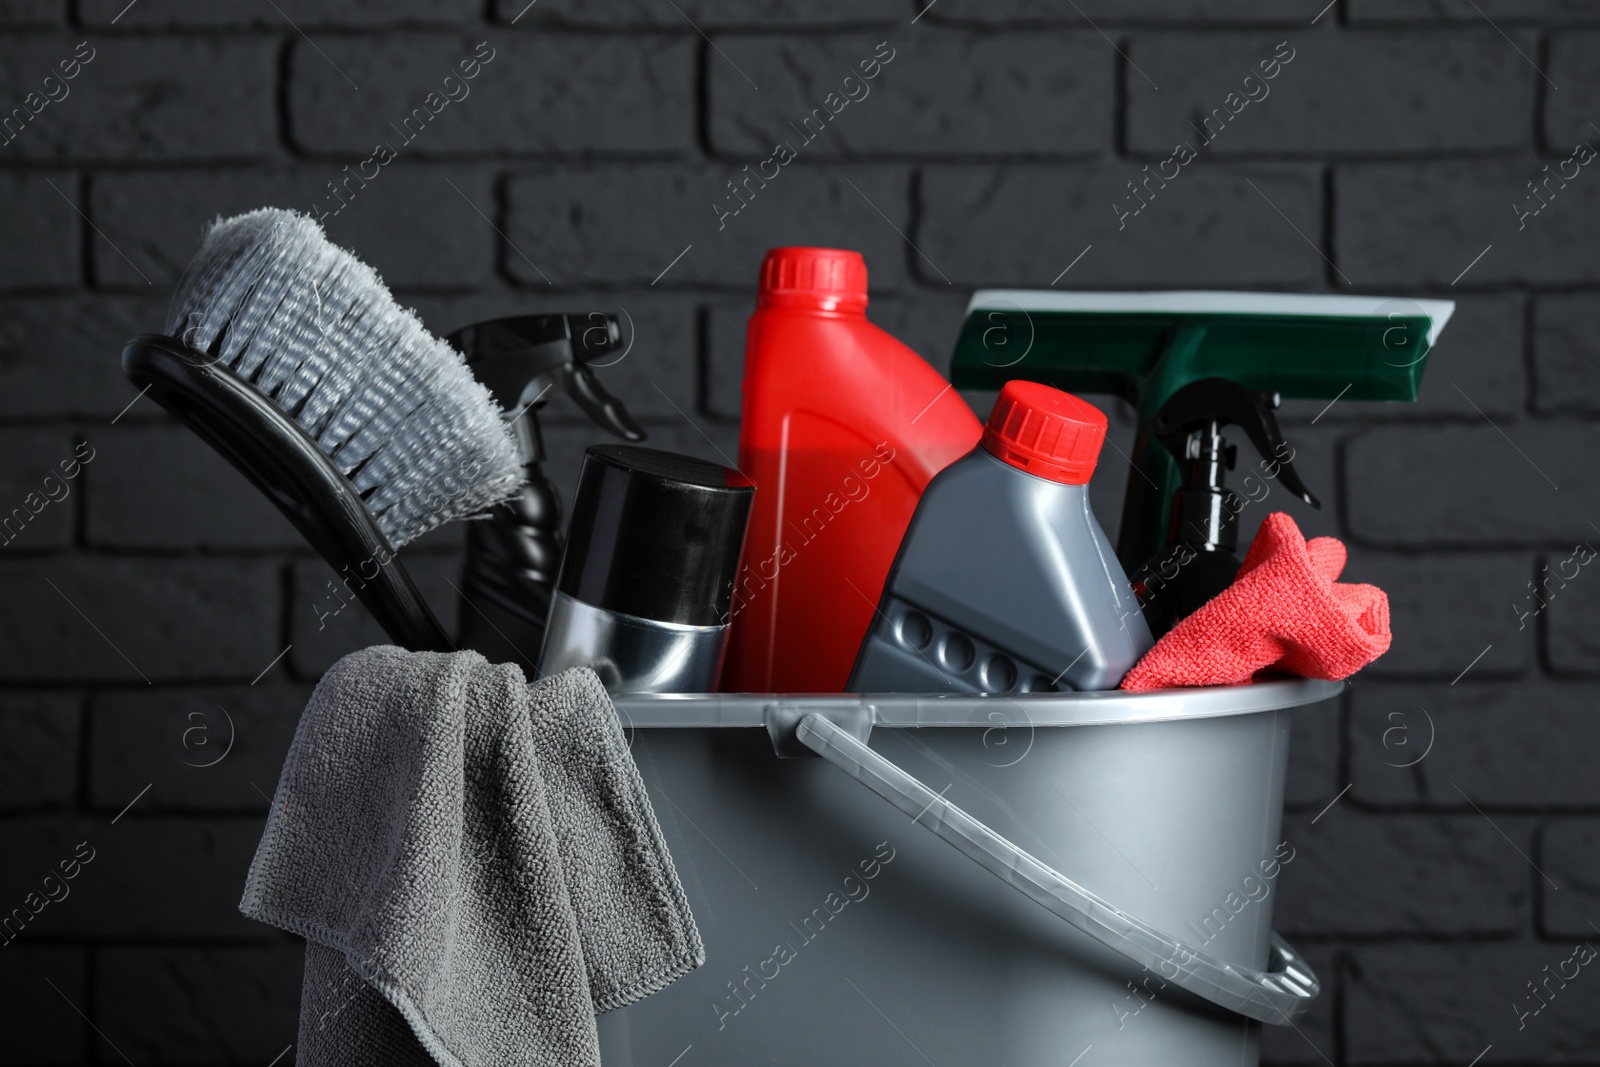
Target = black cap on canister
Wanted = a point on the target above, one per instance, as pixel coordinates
(655, 535)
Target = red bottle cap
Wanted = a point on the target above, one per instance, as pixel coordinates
(1045, 432)
(824, 279)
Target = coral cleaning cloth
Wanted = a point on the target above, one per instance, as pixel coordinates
(1284, 612)
(473, 863)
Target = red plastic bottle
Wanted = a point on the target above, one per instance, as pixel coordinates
(843, 426)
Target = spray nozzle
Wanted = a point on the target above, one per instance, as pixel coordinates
(521, 358)
(1189, 426)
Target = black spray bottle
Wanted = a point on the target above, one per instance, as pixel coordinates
(1202, 554)
(513, 556)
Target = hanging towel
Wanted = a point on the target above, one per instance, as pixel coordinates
(1283, 612)
(473, 862)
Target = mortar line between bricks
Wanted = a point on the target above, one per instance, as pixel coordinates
(1297, 229)
(1502, 433)
(1528, 321)
(132, 802)
(597, 158)
(83, 763)
(1341, 491)
(1119, 111)
(86, 272)
(702, 361)
(1473, 664)
(1115, 47)
(913, 186)
(702, 103)
(1155, 26)
(285, 614)
(898, 230)
(509, 243)
(1341, 741)
(90, 1021)
(272, 664)
(1513, 44)
(97, 629)
(1538, 899)
(1502, 833)
(1329, 225)
(820, 158)
(313, 44)
(1332, 802)
(281, 103)
(89, 972)
(1351, 157)
(1541, 98)
(943, 23)
(1334, 990)
(266, 27)
(713, 44)
(84, 185)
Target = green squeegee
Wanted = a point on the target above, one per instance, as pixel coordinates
(1147, 346)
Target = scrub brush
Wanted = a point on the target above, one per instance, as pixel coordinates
(289, 356)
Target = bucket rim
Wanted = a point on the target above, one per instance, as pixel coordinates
(986, 710)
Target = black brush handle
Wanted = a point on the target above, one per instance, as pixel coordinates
(280, 459)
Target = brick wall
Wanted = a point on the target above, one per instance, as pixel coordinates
(148, 611)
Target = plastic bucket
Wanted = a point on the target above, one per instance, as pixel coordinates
(1107, 899)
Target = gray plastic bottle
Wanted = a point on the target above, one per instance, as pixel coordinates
(1005, 582)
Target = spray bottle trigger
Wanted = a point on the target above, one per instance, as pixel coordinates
(605, 410)
(521, 358)
(1226, 402)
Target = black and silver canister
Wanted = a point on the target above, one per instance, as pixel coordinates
(646, 581)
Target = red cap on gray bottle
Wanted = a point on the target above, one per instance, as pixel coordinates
(1045, 432)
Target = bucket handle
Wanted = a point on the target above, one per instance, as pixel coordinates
(1280, 995)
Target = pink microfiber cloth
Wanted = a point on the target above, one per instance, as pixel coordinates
(1284, 611)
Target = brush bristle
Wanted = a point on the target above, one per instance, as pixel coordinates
(317, 331)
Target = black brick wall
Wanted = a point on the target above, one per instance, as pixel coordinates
(1385, 159)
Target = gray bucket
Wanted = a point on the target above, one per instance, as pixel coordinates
(1107, 899)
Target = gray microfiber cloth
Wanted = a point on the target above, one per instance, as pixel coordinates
(473, 862)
